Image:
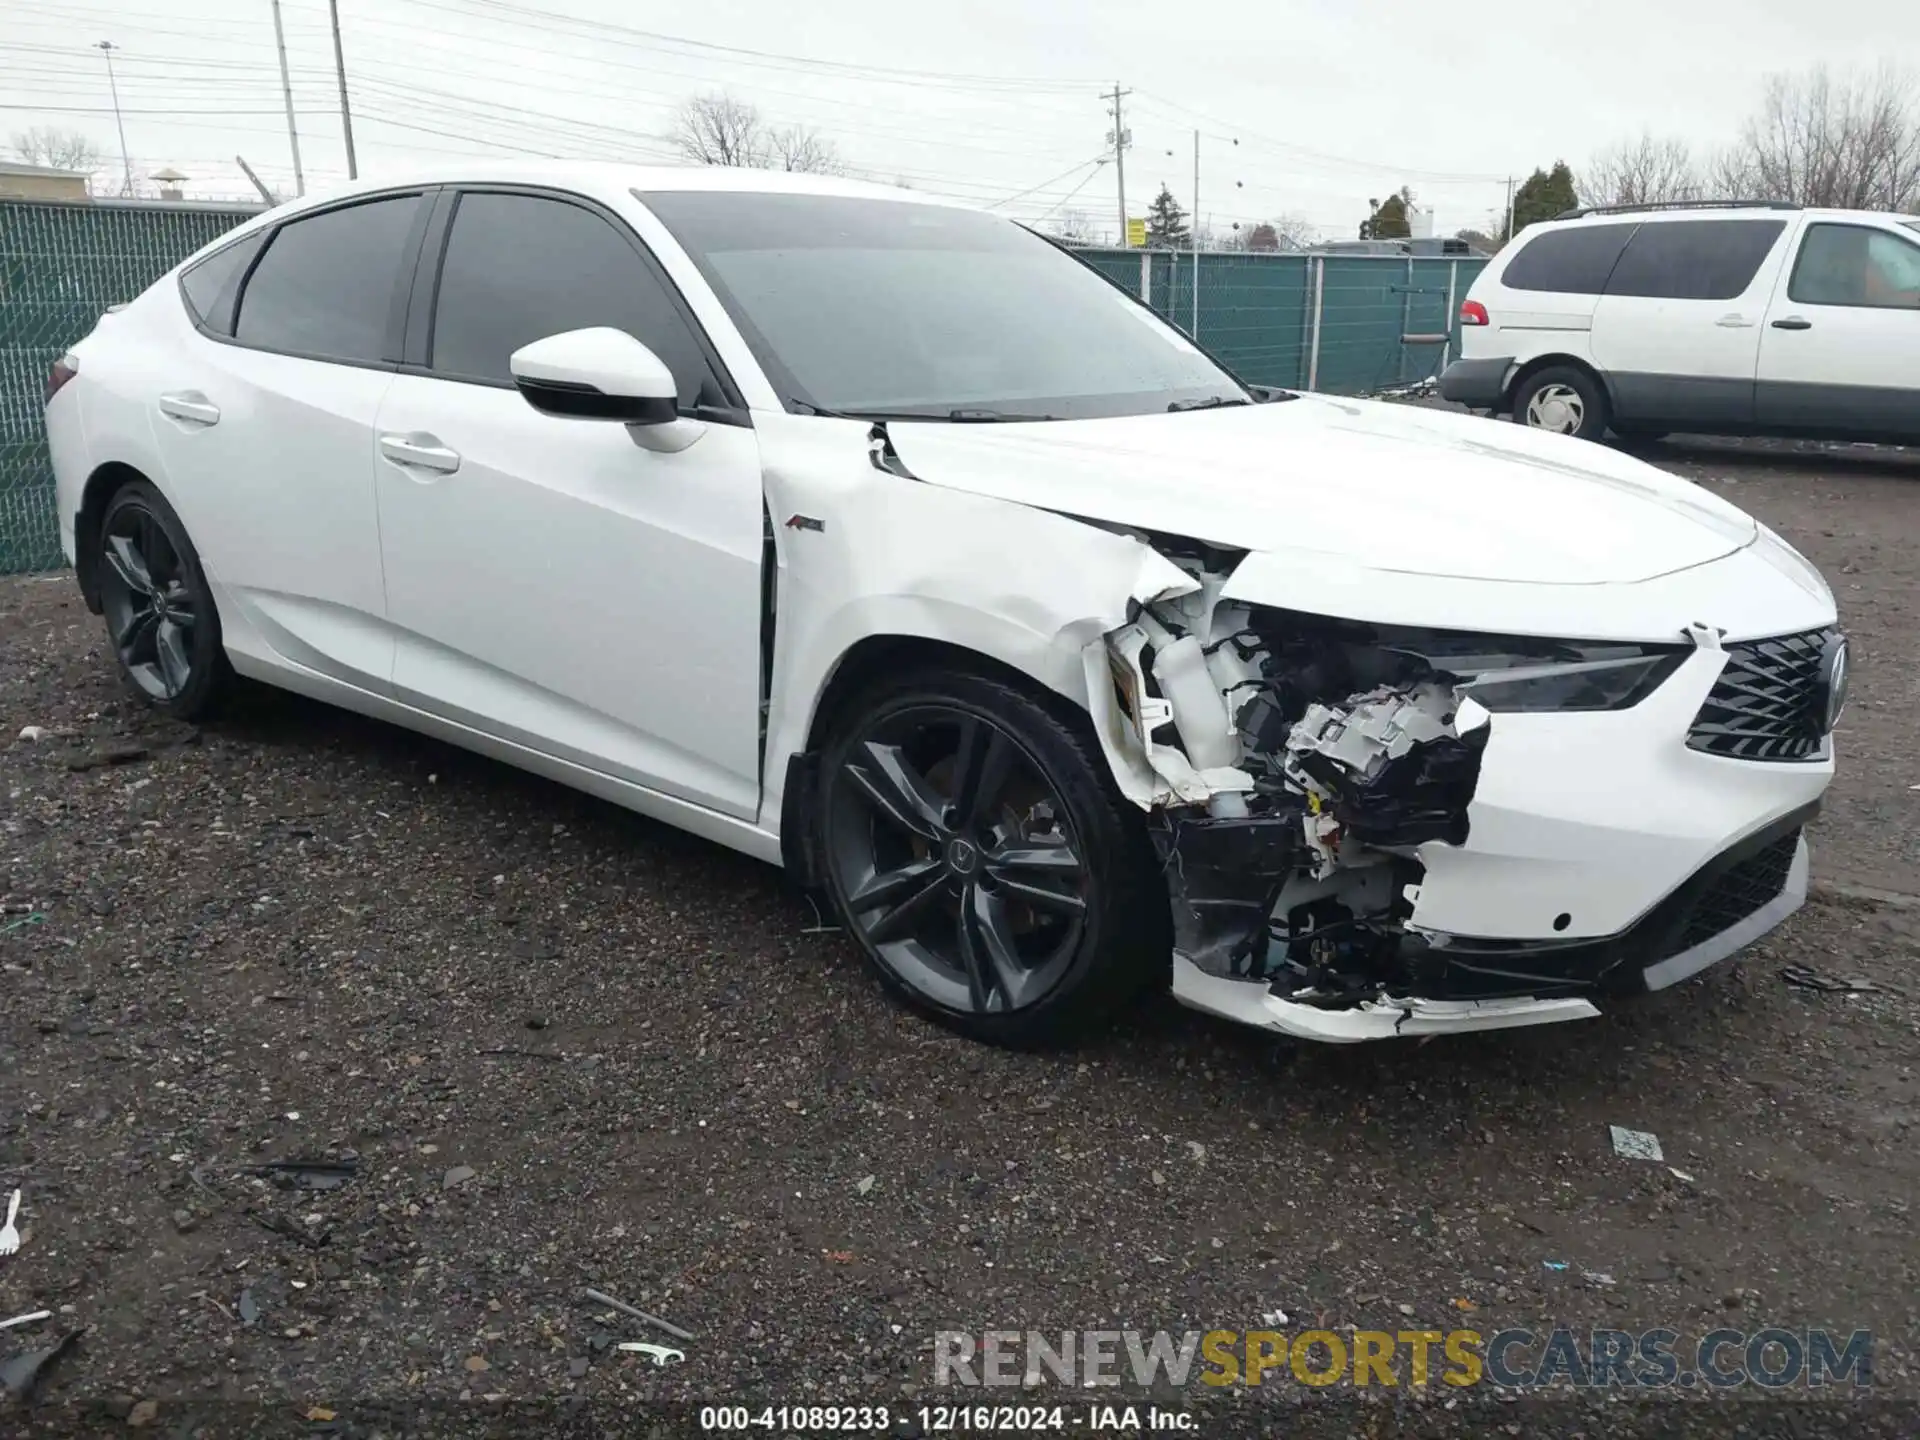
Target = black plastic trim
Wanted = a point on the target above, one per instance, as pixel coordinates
(1477, 384)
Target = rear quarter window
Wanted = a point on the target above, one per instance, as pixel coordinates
(1571, 260)
(1694, 259)
(211, 285)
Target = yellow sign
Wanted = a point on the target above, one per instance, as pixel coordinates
(1136, 233)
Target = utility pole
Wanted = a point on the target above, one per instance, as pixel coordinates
(1509, 234)
(258, 184)
(1119, 138)
(106, 48)
(286, 91)
(1193, 231)
(340, 68)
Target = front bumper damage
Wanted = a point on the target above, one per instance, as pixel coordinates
(1361, 851)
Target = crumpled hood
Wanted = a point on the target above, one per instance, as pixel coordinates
(1397, 488)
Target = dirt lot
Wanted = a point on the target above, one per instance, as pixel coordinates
(566, 1047)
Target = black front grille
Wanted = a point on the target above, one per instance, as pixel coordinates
(1769, 702)
(1737, 892)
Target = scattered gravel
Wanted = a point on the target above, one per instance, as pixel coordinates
(539, 1044)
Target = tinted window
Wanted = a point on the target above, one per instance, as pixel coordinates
(211, 285)
(1855, 265)
(1694, 259)
(901, 307)
(326, 285)
(1573, 260)
(519, 268)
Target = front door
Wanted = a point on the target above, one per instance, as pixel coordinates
(549, 581)
(1841, 350)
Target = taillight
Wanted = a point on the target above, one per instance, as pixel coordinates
(1473, 313)
(64, 369)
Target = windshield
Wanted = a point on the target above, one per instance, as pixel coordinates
(895, 308)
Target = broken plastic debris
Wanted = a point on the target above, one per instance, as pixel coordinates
(9, 1236)
(1273, 1317)
(864, 1184)
(22, 1375)
(29, 1318)
(1805, 977)
(249, 1308)
(311, 1174)
(457, 1176)
(1635, 1144)
(661, 1355)
(1680, 1175)
(1554, 1264)
(1596, 1277)
(31, 733)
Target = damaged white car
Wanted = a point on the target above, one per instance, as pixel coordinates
(879, 537)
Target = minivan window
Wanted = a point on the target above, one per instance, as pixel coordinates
(1694, 259)
(210, 286)
(881, 307)
(327, 284)
(1856, 265)
(1572, 260)
(521, 267)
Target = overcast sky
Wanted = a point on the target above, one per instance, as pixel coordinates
(1331, 101)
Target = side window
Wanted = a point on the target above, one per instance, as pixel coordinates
(210, 286)
(1856, 265)
(327, 284)
(1573, 260)
(1694, 259)
(522, 267)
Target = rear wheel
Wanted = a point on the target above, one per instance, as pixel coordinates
(1562, 400)
(158, 608)
(976, 850)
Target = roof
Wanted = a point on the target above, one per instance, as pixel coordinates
(15, 167)
(608, 176)
(1707, 210)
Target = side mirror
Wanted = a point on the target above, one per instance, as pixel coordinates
(596, 374)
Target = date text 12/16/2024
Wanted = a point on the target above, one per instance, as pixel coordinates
(944, 1419)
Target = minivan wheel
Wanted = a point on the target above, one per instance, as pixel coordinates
(976, 850)
(159, 611)
(1563, 401)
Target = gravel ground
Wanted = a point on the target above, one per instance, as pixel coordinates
(562, 1046)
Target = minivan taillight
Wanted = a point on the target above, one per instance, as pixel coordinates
(64, 369)
(1473, 313)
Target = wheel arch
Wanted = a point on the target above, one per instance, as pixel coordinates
(106, 481)
(858, 666)
(1533, 365)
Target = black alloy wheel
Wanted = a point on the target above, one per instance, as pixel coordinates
(159, 612)
(975, 856)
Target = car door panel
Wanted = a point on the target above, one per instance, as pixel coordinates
(549, 580)
(263, 418)
(1840, 353)
(1678, 332)
(568, 590)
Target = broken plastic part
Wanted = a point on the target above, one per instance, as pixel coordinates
(1223, 875)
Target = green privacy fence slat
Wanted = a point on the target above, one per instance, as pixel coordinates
(1256, 312)
(60, 267)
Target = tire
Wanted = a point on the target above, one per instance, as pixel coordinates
(1563, 400)
(160, 617)
(973, 844)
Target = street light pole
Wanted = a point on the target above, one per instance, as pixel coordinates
(340, 68)
(106, 48)
(286, 91)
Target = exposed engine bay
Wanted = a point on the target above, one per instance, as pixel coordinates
(1308, 759)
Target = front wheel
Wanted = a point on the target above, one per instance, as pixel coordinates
(976, 850)
(158, 608)
(1562, 400)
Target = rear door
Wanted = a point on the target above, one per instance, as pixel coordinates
(1677, 333)
(264, 422)
(1840, 353)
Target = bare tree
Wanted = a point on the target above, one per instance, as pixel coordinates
(1075, 228)
(719, 130)
(1850, 141)
(56, 149)
(795, 147)
(1647, 171)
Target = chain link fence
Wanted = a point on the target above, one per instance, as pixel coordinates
(1352, 324)
(61, 265)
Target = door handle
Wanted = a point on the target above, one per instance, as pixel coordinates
(190, 407)
(419, 451)
(1734, 322)
(1792, 322)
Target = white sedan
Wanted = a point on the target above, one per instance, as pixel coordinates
(880, 538)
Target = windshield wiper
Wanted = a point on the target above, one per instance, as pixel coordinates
(989, 417)
(1212, 402)
(963, 416)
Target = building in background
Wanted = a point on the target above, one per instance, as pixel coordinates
(39, 182)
